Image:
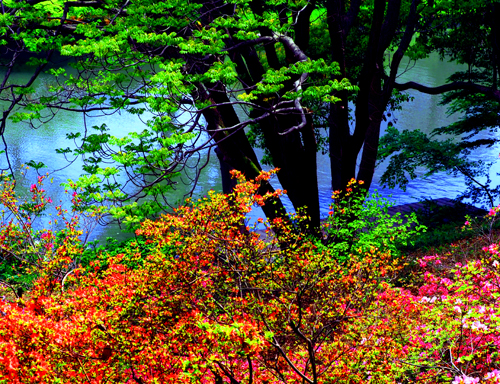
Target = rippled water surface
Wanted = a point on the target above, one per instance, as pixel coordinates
(422, 113)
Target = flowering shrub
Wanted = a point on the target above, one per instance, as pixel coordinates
(28, 253)
(356, 225)
(212, 302)
(459, 335)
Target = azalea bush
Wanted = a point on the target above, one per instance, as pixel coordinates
(202, 298)
(459, 336)
(30, 249)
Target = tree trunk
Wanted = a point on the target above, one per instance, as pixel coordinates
(295, 152)
(370, 147)
(233, 149)
(342, 156)
(303, 25)
(295, 155)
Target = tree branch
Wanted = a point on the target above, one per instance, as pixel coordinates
(246, 43)
(456, 86)
(300, 56)
(403, 46)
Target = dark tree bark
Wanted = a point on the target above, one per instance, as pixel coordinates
(294, 152)
(375, 87)
(368, 113)
(302, 26)
(233, 149)
(342, 154)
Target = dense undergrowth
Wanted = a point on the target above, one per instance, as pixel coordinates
(197, 297)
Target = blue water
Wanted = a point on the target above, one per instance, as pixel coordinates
(422, 113)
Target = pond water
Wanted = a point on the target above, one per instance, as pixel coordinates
(425, 113)
(39, 144)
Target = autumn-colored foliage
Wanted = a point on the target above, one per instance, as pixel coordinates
(213, 302)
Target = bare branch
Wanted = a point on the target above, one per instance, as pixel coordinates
(65, 277)
(403, 46)
(288, 42)
(456, 86)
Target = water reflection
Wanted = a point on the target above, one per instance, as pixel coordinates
(425, 113)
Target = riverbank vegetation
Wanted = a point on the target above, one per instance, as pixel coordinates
(200, 298)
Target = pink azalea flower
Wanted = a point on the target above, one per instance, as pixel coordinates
(493, 376)
(465, 380)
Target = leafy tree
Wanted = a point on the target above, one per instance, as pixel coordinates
(205, 59)
(179, 58)
(282, 63)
